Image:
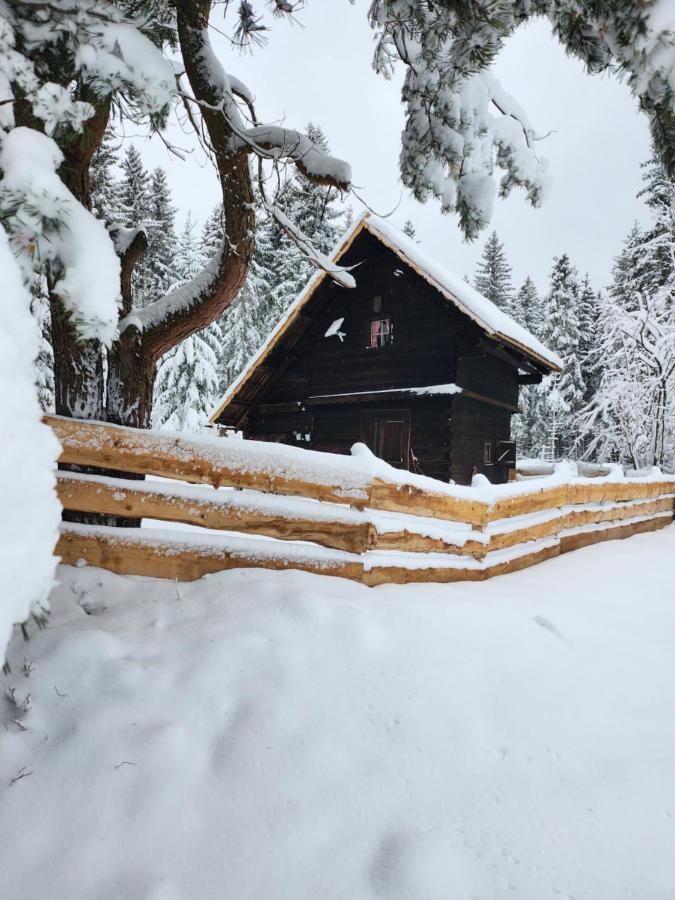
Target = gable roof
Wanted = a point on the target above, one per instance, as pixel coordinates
(493, 321)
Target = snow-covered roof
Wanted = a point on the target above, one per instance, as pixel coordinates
(496, 323)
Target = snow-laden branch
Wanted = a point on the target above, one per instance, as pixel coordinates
(461, 125)
(232, 140)
(340, 274)
(280, 144)
(46, 223)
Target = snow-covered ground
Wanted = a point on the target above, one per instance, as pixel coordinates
(284, 736)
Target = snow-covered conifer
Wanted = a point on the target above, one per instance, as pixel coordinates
(133, 196)
(527, 307)
(465, 138)
(160, 256)
(493, 274)
(588, 314)
(631, 415)
(212, 235)
(187, 383)
(560, 397)
(102, 183)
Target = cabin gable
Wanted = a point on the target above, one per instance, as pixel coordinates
(347, 363)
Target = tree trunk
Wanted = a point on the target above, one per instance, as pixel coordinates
(78, 369)
(130, 382)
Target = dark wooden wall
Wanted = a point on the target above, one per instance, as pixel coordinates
(434, 343)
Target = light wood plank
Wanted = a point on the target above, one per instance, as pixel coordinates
(140, 499)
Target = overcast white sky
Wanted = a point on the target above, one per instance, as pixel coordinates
(322, 72)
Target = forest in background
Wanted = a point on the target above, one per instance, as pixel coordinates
(613, 401)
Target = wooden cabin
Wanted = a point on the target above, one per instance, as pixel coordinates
(412, 361)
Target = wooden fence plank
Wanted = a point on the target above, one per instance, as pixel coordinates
(610, 533)
(133, 554)
(113, 496)
(408, 498)
(153, 453)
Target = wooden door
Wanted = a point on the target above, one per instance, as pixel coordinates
(387, 433)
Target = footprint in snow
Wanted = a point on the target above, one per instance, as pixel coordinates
(543, 622)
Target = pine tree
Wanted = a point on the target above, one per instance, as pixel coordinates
(160, 230)
(187, 383)
(187, 387)
(559, 398)
(133, 210)
(102, 183)
(493, 274)
(527, 311)
(134, 194)
(588, 315)
(630, 272)
(631, 415)
(212, 235)
(527, 307)
(187, 260)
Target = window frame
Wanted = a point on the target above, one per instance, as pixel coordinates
(389, 334)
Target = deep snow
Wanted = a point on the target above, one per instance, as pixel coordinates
(283, 736)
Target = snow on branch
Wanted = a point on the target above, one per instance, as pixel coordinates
(47, 224)
(461, 125)
(279, 144)
(339, 274)
(177, 301)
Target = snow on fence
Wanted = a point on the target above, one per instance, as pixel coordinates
(353, 516)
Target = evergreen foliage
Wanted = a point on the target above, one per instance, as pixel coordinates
(133, 210)
(560, 397)
(493, 275)
(527, 308)
(187, 382)
(588, 315)
(160, 263)
(102, 184)
(631, 416)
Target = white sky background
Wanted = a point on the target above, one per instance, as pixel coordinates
(322, 72)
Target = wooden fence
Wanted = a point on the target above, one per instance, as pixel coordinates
(346, 516)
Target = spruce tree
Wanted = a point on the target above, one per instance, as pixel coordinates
(134, 193)
(212, 235)
(527, 311)
(527, 307)
(132, 211)
(187, 383)
(560, 397)
(102, 183)
(493, 275)
(588, 314)
(631, 415)
(160, 231)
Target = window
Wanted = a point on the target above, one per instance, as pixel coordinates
(377, 304)
(381, 333)
(487, 453)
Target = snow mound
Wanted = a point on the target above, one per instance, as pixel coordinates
(288, 736)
